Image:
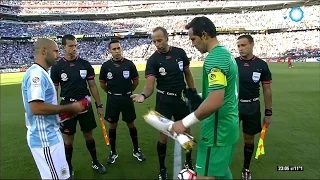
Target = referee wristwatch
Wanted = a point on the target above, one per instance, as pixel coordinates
(144, 96)
(99, 106)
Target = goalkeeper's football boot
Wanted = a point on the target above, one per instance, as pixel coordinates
(112, 157)
(139, 155)
(163, 174)
(188, 165)
(245, 174)
(96, 165)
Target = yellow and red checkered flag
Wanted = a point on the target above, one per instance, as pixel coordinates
(260, 148)
(104, 130)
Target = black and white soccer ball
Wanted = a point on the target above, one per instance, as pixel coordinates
(187, 174)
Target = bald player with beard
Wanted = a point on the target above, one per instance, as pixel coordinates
(41, 113)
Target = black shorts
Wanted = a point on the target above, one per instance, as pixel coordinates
(250, 115)
(171, 106)
(86, 120)
(117, 104)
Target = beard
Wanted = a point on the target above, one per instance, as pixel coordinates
(50, 60)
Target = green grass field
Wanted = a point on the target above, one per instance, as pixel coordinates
(292, 139)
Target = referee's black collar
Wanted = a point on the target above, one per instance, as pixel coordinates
(253, 58)
(77, 57)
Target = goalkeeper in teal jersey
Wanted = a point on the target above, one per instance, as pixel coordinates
(219, 111)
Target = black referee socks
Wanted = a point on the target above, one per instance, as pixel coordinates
(68, 150)
(248, 152)
(134, 136)
(91, 145)
(162, 151)
(112, 139)
(188, 156)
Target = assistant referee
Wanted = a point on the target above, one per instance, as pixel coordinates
(75, 75)
(252, 72)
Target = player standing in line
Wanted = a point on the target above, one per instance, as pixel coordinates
(170, 66)
(289, 62)
(218, 112)
(252, 71)
(119, 78)
(40, 103)
(74, 75)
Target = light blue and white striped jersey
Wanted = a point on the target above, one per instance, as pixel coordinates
(42, 129)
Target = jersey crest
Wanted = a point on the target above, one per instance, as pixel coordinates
(109, 75)
(83, 74)
(256, 76)
(126, 74)
(180, 63)
(64, 77)
(162, 71)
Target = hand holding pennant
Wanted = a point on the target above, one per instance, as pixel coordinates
(260, 148)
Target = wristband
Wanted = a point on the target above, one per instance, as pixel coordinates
(99, 106)
(145, 97)
(190, 120)
(268, 112)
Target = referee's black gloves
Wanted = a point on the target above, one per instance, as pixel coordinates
(193, 100)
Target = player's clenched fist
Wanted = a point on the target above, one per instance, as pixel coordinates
(74, 109)
(178, 128)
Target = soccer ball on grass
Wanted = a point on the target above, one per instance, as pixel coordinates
(187, 174)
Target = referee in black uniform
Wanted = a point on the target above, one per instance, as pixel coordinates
(119, 78)
(252, 72)
(74, 74)
(170, 67)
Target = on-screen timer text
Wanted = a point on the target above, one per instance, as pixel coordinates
(290, 168)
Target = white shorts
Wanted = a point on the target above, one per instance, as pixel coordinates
(51, 161)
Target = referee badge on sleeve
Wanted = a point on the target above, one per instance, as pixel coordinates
(180, 65)
(83, 74)
(256, 76)
(126, 74)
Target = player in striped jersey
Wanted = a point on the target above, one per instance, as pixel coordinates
(41, 109)
(219, 111)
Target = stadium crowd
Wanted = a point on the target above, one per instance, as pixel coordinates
(21, 7)
(254, 20)
(266, 46)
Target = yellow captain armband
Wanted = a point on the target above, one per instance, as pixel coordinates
(216, 77)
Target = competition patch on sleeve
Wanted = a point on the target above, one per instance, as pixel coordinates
(216, 77)
(35, 81)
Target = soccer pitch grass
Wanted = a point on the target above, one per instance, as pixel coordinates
(291, 140)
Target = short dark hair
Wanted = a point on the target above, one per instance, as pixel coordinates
(246, 36)
(67, 37)
(159, 28)
(113, 41)
(202, 24)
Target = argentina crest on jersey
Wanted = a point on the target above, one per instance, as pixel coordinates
(180, 63)
(256, 76)
(83, 74)
(126, 74)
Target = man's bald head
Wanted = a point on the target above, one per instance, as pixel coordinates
(46, 51)
(43, 44)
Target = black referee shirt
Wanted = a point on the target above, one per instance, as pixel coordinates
(72, 77)
(118, 75)
(168, 68)
(251, 73)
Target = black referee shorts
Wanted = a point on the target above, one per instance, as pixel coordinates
(117, 104)
(86, 120)
(171, 106)
(250, 115)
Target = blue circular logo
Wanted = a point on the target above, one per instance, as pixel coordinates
(296, 14)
